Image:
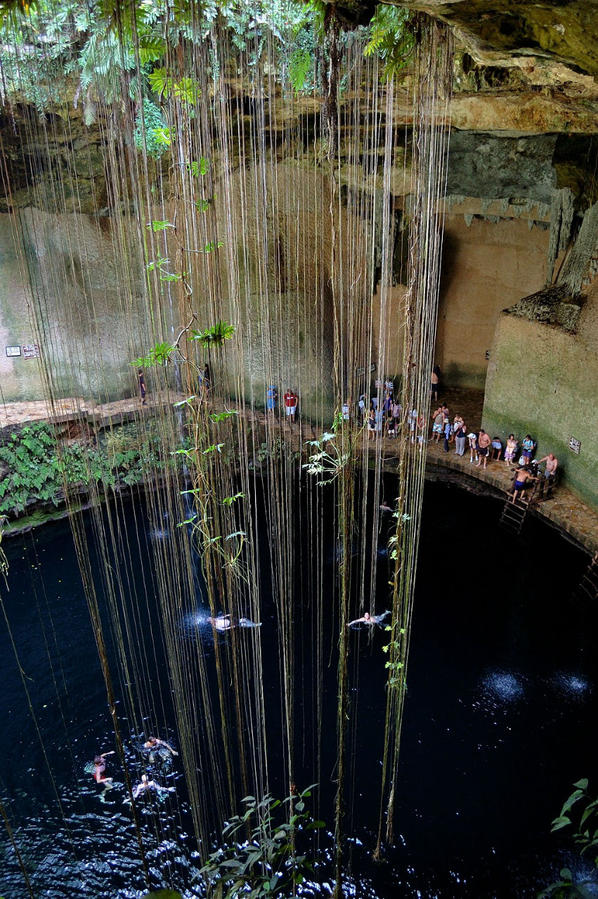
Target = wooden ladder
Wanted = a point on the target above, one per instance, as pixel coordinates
(513, 515)
(588, 585)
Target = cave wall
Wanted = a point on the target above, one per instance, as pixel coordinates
(486, 267)
(65, 286)
(542, 380)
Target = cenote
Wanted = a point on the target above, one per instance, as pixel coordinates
(500, 719)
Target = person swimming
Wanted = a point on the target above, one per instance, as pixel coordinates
(99, 766)
(156, 743)
(368, 619)
(226, 622)
(221, 622)
(145, 785)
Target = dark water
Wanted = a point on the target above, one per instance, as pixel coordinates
(500, 720)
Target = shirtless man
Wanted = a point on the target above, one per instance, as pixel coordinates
(484, 442)
(549, 471)
(522, 476)
(149, 785)
(155, 742)
(221, 622)
(438, 423)
(226, 622)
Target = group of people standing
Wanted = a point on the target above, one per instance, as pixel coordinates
(483, 448)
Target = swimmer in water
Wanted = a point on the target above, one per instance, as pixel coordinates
(155, 743)
(99, 766)
(221, 622)
(226, 622)
(146, 785)
(366, 618)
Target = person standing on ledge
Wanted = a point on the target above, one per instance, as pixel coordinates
(484, 442)
(206, 381)
(549, 472)
(141, 384)
(290, 403)
(434, 382)
(271, 397)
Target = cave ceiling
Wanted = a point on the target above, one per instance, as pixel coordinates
(522, 66)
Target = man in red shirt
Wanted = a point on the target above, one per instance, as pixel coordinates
(290, 403)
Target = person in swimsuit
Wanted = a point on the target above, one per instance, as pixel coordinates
(146, 785)
(434, 382)
(438, 424)
(549, 472)
(99, 766)
(221, 622)
(227, 622)
(522, 477)
(366, 618)
(155, 743)
(484, 442)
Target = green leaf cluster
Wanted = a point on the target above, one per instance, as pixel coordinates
(259, 857)
(158, 355)
(215, 335)
(580, 811)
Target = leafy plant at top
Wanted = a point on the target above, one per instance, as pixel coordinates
(391, 37)
(259, 857)
(158, 355)
(214, 336)
(580, 805)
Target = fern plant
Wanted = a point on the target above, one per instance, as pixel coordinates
(391, 38)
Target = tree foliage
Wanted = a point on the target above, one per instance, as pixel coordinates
(391, 37)
(259, 857)
(579, 811)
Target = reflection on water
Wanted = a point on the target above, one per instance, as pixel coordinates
(574, 686)
(503, 685)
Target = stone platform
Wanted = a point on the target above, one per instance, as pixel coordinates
(564, 509)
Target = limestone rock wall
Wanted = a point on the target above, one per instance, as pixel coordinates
(66, 286)
(542, 380)
(486, 267)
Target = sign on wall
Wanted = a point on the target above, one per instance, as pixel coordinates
(31, 351)
(13, 350)
(574, 445)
